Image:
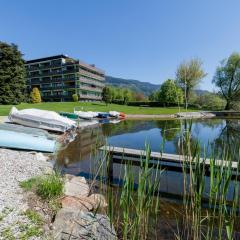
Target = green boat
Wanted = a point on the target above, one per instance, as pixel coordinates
(69, 115)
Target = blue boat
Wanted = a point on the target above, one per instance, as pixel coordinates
(25, 138)
(103, 115)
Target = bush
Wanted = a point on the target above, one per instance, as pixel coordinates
(35, 95)
(75, 97)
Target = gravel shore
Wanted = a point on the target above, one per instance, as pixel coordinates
(16, 166)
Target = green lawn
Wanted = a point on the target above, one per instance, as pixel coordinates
(90, 106)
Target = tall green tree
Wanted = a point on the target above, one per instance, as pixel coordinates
(170, 93)
(188, 76)
(127, 95)
(106, 95)
(12, 74)
(227, 78)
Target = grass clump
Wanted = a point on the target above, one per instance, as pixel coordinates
(29, 184)
(33, 231)
(34, 217)
(47, 187)
(7, 234)
(50, 186)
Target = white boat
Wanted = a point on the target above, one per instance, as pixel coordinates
(43, 119)
(114, 114)
(85, 115)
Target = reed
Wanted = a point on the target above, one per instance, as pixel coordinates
(210, 197)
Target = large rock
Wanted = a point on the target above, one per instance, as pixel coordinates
(98, 200)
(83, 203)
(76, 187)
(71, 224)
(94, 201)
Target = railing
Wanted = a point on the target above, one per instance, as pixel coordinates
(33, 68)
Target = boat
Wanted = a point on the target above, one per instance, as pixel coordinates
(114, 114)
(72, 116)
(103, 115)
(25, 138)
(84, 115)
(42, 119)
(122, 115)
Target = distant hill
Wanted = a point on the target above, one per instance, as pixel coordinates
(143, 87)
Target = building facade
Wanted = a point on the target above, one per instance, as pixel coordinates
(59, 77)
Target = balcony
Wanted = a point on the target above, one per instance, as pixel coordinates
(91, 75)
(90, 97)
(93, 89)
(94, 82)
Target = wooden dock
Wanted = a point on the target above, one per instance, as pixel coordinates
(165, 160)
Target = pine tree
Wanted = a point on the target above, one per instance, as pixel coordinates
(12, 75)
(35, 95)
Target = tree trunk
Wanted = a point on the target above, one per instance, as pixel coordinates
(228, 105)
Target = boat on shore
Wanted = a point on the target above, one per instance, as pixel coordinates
(42, 119)
(85, 115)
(25, 138)
(69, 115)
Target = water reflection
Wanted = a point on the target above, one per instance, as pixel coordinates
(211, 134)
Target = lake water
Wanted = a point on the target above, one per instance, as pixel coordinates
(212, 134)
(78, 157)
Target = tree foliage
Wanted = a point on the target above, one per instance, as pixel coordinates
(209, 101)
(227, 78)
(188, 76)
(35, 95)
(170, 93)
(12, 74)
(106, 95)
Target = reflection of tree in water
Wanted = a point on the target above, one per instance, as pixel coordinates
(126, 126)
(86, 141)
(229, 139)
(169, 128)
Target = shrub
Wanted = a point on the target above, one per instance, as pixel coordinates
(35, 96)
(75, 97)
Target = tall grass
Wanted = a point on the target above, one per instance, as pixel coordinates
(211, 203)
(210, 197)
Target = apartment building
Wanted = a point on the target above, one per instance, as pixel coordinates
(59, 77)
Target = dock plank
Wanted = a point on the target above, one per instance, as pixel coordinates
(136, 154)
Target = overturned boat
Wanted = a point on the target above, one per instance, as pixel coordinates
(86, 115)
(70, 115)
(42, 119)
(26, 138)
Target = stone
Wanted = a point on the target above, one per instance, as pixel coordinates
(83, 203)
(70, 224)
(76, 187)
(98, 200)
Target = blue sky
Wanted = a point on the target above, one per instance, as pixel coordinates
(135, 39)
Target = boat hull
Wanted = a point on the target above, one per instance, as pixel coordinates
(24, 141)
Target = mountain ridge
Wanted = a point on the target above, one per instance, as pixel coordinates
(138, 86)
